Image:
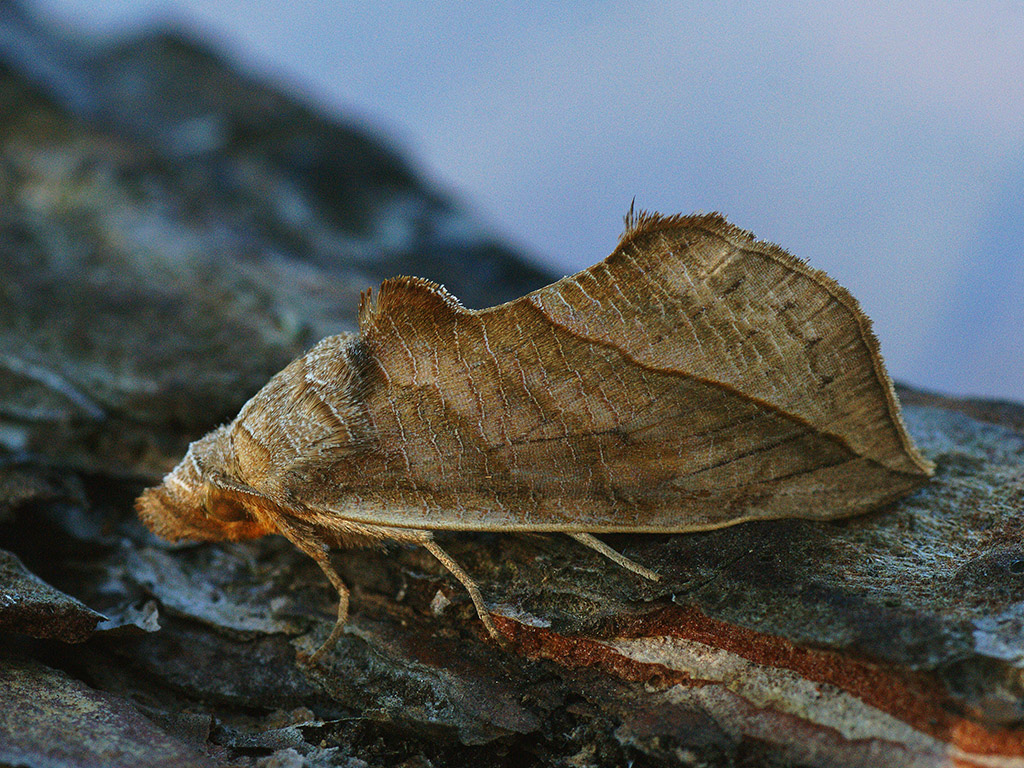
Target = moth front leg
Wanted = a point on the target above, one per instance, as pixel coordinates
(339, 624)
(313, 545)
(318, 551)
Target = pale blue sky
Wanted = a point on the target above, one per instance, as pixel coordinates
(883, 142)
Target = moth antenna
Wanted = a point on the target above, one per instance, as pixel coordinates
(468, 583)
(599, 546)
(365, 299)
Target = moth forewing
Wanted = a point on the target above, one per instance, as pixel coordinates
(694, 379)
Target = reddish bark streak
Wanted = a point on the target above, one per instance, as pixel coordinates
(917, 699)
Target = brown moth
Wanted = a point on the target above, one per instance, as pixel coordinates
(696, 378)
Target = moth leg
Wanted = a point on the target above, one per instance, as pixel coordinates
(339, 625)
(596, 544)
(467, 582)
(318, 551)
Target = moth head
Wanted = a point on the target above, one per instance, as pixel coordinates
(196, 500)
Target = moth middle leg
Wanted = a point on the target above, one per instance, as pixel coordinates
(426, 540)
(361, 534)
(474, 592)
(466, 580)
(428, 543)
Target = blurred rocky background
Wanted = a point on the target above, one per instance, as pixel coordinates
(171, 234)
(880, 141)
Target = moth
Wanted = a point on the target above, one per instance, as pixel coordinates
(696, 378)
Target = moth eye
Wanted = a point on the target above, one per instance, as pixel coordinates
(221, 508)
(230, 512)
(224, 510)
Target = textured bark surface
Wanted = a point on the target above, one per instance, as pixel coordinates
(164, 248)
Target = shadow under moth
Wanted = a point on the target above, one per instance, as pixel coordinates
(696, 378)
